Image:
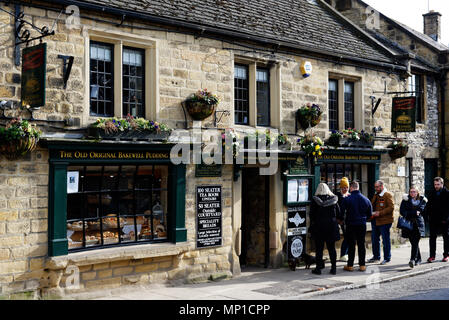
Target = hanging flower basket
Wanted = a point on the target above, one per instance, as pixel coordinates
(311, 145)
(18, 138)
(201, 104)
(309, 116)
(399, 149)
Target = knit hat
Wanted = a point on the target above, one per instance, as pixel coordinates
(344, 182)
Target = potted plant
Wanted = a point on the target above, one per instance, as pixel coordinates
(334, 139)
(311, 145)
(309, 115)
(284, 142)
(235, 142)
(201, 104)
(254, 136)
(399, 149)
(128, 128)
(17, 138)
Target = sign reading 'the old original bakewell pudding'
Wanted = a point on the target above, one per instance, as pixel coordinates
(209, 216)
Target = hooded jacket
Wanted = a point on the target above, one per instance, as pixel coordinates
(323, 218)
(409, 211)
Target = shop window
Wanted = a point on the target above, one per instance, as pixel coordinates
(241, 94)
(133, 82)
(415, 86)
(333, 105)
(101, 79)
(114, 205)
(332, 173)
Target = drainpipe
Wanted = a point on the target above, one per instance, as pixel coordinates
(443, 148)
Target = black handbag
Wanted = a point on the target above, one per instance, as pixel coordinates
(405, 224)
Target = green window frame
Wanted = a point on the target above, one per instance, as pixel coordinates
(57, 222)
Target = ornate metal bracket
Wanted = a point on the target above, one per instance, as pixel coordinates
(68, 62)
(23, 35)
(223, 113)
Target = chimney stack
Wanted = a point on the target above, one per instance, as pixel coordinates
(432, 25)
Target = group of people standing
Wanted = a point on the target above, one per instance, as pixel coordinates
(351, 210)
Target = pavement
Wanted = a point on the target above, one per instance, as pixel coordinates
(281, 284)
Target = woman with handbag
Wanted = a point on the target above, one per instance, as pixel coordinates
(412, 222)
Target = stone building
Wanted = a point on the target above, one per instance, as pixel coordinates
(429, 61)
(251, 58)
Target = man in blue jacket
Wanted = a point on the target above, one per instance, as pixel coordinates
(356, 209)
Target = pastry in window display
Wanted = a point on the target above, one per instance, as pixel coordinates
(111, 222)
(160, 231)
(93, 225)
(76, 226)
(91, 240)
(145, 233)
(108, 237)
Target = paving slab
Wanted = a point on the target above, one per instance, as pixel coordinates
(279, 284)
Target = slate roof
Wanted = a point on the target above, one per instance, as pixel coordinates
(305, 23)
(418, 35)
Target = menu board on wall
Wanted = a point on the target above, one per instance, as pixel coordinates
(209, 216)
(296, 232)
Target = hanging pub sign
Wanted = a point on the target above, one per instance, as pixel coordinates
(296, 232)
(34, 62)
(403, 118)
(208, 216)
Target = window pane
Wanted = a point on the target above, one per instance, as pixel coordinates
(241, 87)
(263, 97)
(112, 204)
(133, 82)
(101, 76)
(333, 105)
(349, 105)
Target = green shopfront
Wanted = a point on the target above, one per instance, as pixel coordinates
(113, 194)
(357, 164)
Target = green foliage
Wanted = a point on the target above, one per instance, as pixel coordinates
(204, 96)
(111, 125)
(18, 129)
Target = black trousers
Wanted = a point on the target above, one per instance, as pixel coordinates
(356, 235)
(414, 241)
(319, 244)
(435, 229)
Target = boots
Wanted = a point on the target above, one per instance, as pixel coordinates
(333, 270)
(316, 271)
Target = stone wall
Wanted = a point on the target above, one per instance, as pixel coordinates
(23, 221)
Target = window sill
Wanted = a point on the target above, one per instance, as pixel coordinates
(117, 254)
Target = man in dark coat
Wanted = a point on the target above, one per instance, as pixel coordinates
(438, 214)
(357, 209)
(323, 219)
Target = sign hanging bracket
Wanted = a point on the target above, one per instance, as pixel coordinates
(67, 67)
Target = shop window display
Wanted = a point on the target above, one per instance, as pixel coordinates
(114, 205)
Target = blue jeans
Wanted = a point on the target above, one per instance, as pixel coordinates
(376, 233)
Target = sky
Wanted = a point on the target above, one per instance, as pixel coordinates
(410, 12)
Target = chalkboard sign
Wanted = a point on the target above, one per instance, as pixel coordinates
(296, 232)
(209, 216)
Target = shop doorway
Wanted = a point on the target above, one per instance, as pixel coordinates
(255, 219)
